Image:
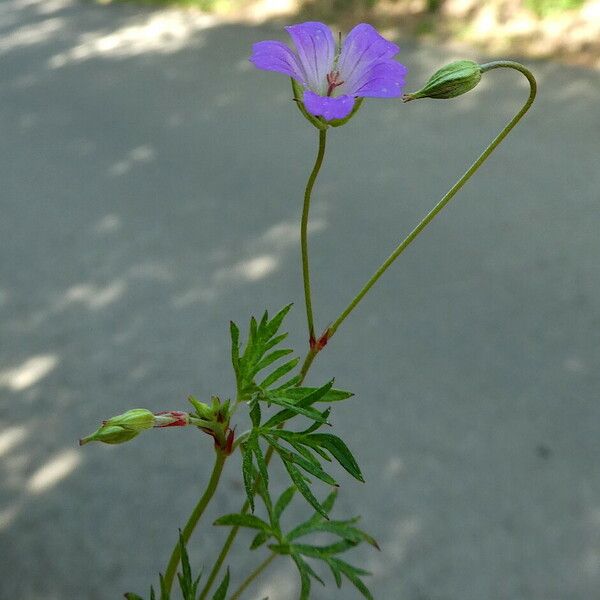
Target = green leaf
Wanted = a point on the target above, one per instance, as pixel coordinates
(316, 425)
(260, 462)
(132, 596)
(271, 358)
(243, 520)
(304, 577)
(338, 450)
(309, 466)
(235, 345)
(303, 402)
(282, 503)
(353, 574)
(255, 413)
(332, 395)
(222, 589)
(294, 409)
(247, 470)
(188, 585)
(279, 372)
(260, 538)
(300, 483)
(323, 552)
(258, 353)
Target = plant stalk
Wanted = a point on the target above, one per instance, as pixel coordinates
(451, 192)
(263, 565)
(304, 233)
(194, 518)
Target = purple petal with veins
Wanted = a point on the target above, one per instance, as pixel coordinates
(276, 56)
(316, 51)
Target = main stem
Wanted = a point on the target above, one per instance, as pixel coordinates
(451, 193)
(194, 518)
(304, 233)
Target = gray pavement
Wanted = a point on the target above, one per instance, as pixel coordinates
(150, 189)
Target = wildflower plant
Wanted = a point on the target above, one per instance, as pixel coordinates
(284, 415)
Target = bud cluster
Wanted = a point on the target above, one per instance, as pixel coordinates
(214, 420)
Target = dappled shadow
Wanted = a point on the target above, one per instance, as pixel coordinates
(151, 192)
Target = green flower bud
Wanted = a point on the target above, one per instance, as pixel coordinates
(136, 419)
(110, 434)
(450, 81)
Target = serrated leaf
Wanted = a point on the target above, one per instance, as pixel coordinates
(223, 587)
(338, 450)
(243, 520)
(258, 353)
(300, 483)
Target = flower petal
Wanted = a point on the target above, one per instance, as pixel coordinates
(276, 56)
(362, 48)
(327, 107)
(316, 51)
(383, 80)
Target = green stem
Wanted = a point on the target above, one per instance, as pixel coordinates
(450, 194)
(263, 565)
(194, 518)
(304, 232)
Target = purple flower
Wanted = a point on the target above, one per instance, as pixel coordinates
(332, 78)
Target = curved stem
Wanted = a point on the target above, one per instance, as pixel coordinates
(194, 518)
(263, 565)
(304, 232)
(451, 193)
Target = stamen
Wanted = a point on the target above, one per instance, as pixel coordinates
(332, 81)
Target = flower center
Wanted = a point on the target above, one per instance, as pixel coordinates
(333, 81)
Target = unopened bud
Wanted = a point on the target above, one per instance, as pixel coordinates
(137, 419)
(450, 81)
(110, 434)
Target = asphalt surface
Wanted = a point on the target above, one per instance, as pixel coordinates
(150, 191)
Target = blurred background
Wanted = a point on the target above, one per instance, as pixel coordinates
(151, 183)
